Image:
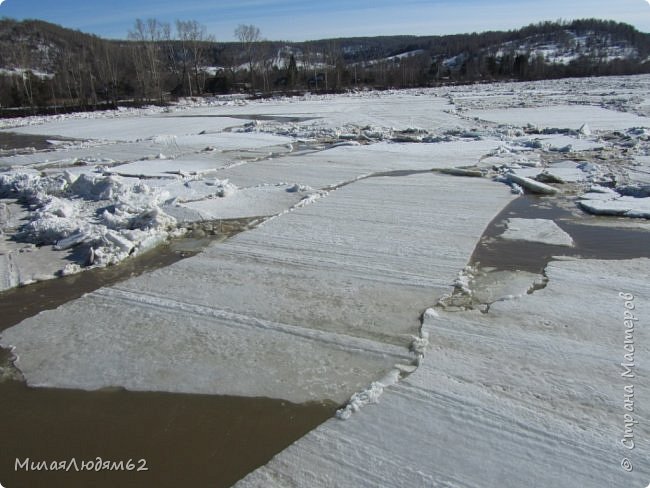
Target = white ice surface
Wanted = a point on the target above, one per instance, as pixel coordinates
(313, 304)
(536, 230)
(319, 302)
(204, 146)
(563, 117)
(573, 172)
(611, 203)
(249, 202)
(394, 109)
(342, 164)
(529, 394)
(492, 285)
(129, 128)
(22, 264)
(167, 168)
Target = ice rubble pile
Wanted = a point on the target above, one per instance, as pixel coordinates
(354, 134)
(108, 217)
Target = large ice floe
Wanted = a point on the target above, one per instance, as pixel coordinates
(563, 117)
(309, 306)
(530, 392)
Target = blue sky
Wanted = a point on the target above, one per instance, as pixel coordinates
(298, 20)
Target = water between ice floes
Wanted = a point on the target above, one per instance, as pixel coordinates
(591, 241)
(185, 440)
(275, 118)
(13, 140)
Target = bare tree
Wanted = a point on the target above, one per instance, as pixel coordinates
(334, 59)
(292, 72)
(147, 61)
(249, 36)
(183, 54)
(268, 57)
(173, 57)
(310, 63)
(107, 69)
(194, 40)
(23, 57)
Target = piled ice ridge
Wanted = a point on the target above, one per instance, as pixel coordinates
(110, 217)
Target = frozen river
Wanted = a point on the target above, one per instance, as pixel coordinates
(460, 356)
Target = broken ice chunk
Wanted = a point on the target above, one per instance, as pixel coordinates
(532, 185)
(584, 130)
(536, 230)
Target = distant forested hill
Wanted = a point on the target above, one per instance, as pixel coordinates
(43, 64)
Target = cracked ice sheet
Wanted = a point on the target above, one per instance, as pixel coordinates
(563, 117)
(171, 147)
(168, 168)
(530, 391)
(22, 264)
(98, 152)
(244, 203)
(312, 305)
(127, 128)
(340, 164)
(400, 110)
(221, 156)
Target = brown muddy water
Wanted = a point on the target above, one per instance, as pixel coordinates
(591, 241)
(263, 117)
(12, 140)
(182, 440)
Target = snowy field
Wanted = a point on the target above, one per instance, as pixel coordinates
(356, 283)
